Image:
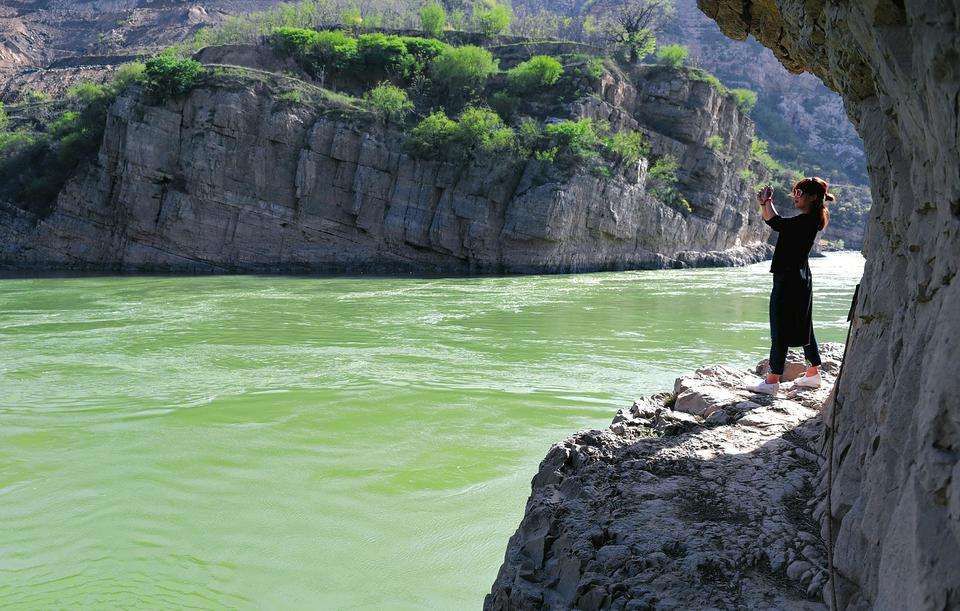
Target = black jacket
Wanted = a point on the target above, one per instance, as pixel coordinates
(791, 300)
(797, 235)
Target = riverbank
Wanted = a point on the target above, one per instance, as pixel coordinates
(699, 498)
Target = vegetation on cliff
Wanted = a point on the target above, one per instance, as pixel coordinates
(449, 93)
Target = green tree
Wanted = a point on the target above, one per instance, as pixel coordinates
(632, 25)
(433, 18)
(537, 72)
(492, 18)
(463, 70)
(4, 119)
(168, 76)
(389, 101)
(674, 56)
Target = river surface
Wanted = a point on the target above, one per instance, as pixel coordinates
(283, 443)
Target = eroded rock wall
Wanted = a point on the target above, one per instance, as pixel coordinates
(233, 179)
(896, 469)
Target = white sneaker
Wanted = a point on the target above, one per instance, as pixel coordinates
(764, 389)
(808, 381)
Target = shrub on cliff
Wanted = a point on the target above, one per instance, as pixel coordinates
(536, 73)
(477, 129)
(389, 101)
(575, 141)
(316, 51)
(628, 147)
(746, 99)
(483, 129)
(674, 56)
(662, 183)
(461, 71)
(759, 153)
(432, 136)
(433, 18)
(168, 76)
(128, 74)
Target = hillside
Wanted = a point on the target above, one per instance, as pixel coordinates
(279, 159)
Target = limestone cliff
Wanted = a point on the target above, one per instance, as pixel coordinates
(234, 178)
(895, 513)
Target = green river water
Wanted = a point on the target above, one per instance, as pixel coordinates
(276, 442)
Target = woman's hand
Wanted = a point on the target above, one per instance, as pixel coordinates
(765, 196)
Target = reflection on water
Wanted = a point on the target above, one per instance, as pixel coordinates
(292, 442)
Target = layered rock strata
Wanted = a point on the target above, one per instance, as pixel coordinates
(231, 178)
(895, 513)
(698, 499)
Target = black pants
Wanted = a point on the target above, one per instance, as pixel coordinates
(778, 355)
(791, 318)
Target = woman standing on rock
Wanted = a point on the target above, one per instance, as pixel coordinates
(791, 300)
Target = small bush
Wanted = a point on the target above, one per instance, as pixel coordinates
(433, 18)
(491, 18)
(601, 171)
(128, 74)
(4, 119)
(536, 73)
(463, 70)
(529, 136)
(628, 147)
(391, 102)
(674, 56)
(294, 96)
(482, 128)
(747, 176)
(576, 141)
(715, 142)
(594, 68)
(432, 136)
(87, 92)
(663, 183)
(504, 103)
(746, 99)
(35, 96)
(168, 76)
(698, 74)
(759, 153)
(384, 53)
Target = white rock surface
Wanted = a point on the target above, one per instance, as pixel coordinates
(666, 509)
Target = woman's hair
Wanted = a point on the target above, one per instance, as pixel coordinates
(818, 188)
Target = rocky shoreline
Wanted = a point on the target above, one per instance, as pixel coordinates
(700, 498)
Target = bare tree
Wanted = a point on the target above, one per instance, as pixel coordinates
(633, 25)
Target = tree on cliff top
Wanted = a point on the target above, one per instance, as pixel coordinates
(633, 25)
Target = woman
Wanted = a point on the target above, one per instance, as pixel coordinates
(791, 301)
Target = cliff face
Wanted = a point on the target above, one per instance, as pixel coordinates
(896, 439)
(232, 178)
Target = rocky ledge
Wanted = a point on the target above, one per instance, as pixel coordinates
(700, 498)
